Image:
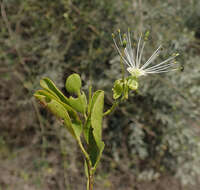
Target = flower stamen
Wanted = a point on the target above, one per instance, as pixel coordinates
(135, 68)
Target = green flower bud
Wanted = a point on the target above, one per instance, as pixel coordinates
(73, 84)
(117, 89)
(132, 83)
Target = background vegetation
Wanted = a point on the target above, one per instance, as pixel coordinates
(152, 141)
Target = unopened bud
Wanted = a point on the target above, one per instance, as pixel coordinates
(175, 54)
(124, 43)
(146, 36)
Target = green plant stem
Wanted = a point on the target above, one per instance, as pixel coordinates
(122, 67)
(116, 103)
(84, 152)
(90, 179)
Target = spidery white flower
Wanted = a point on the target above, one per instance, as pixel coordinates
(134, 58)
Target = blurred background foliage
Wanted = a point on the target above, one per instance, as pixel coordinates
(152, 141)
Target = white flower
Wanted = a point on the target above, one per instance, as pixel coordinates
(133, 58)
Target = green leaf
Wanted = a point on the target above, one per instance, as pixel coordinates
(117, 89)
(77, 127)
(79, 103)
(89, 99)
(57, 109)
(49, 86)
(101, 148)
(97, 115)
(94, 98)
(72, 113)
(94, 151)
(93, 128)
(60, 112)
(86, 130)
(86, 168)
(45, 93)
(87, 126)
(73, 84)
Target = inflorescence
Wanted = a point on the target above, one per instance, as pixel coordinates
(133, 58)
